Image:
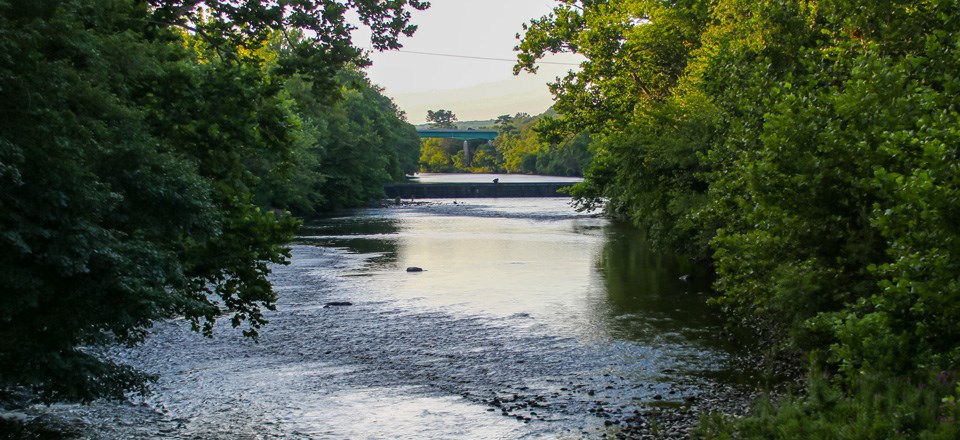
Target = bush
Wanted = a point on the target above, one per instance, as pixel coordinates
(875, 407)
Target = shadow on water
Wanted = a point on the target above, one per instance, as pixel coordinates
(661, 297)
(355, 233)
(667, 289)
(351, 224)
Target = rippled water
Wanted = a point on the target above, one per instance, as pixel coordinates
(529, 321)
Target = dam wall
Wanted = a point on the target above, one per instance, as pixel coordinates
(474, 190)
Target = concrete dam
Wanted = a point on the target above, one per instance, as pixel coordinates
(463, 190)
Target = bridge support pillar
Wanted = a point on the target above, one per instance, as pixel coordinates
(466, 151)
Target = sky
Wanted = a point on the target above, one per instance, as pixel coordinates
(473, 89)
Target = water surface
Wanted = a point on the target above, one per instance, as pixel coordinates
(529, 320)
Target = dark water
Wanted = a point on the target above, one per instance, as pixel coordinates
(529, 321)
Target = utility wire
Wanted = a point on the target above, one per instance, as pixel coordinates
(480, 58)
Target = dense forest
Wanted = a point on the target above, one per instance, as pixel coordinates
(810, 152)
(150, 153)
(518, 148)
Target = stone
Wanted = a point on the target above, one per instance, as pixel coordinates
(338, 304)
(414, 269)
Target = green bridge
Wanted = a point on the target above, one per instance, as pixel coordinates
(464, 135)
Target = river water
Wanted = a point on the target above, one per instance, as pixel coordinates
(529, 320)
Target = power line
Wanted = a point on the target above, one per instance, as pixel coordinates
(481, 58)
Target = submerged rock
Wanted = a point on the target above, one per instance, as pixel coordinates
(414, 269)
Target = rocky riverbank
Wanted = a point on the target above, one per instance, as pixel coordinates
(114, 420)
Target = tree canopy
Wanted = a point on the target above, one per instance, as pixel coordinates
(808, 151)
(344, 151)
(135, 144)
(442, 118)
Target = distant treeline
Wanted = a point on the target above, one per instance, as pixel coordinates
(517, 149)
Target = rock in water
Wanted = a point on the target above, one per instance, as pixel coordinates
(338, 304)
(414, 269)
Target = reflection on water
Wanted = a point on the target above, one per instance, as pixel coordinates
(362, 235)
(652, 294)
(530, 320)
(583, 276)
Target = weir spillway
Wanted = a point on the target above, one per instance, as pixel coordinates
(463, 190)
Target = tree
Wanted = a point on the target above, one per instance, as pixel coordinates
(520, 148)
(344, 151)
(648, 126)
(126, 200)
(442, 118)
(832, 198)
(810, 151)
(434, 157)
(832, 133)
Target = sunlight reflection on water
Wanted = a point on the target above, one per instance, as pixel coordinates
(526, 315)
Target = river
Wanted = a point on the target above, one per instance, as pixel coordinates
(529, 320)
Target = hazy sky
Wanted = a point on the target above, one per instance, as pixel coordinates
(471, 88)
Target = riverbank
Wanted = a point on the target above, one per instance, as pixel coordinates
(115, 420)
(681, 422)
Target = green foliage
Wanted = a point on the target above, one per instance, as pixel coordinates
(518, 144)
(834, 189)
(435, 157)
(809, 148)
(484, 160)
(846, 149)
(96, 208)
(442, 119)
(525, 150)
(650, 125)
(568, 158)
(130, 154)
(321, 27)
(345, 151)
(635, 53)
(875, 407)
